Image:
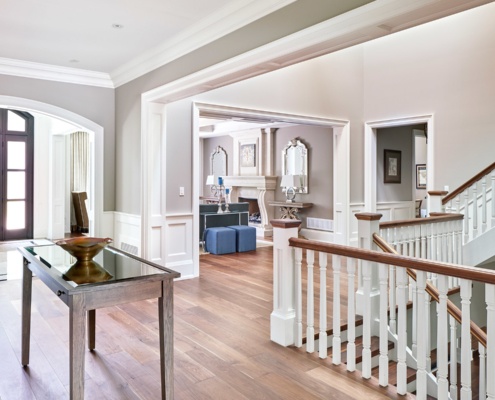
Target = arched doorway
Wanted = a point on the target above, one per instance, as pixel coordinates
(55, 211)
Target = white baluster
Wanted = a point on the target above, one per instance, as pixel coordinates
(366, 367)
(490, 322)
(453, 358)
(310, 316)
(482, 371)
(466, 356)
(298, 296)
(483, 204)
(429, 243)
(414, 310)
(323, 345)
(393, 300)
(421, 338)
(351, 316)
(475, 210)
(442, 344)
(336, 351)
(466, 215)
(423, 241)
(401, 331)
(458, 204)
(417, 241)
(434, 241)
(383, 360)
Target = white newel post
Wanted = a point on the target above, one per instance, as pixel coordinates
(368, 224)
(435, 201)
(283, 317)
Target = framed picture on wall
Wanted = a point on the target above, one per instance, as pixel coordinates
(392, 166)
(248, 155)
(420, 176)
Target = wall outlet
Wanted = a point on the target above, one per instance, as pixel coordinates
(181, 191)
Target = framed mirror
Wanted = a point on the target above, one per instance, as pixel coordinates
(219, 162)
(295, 162)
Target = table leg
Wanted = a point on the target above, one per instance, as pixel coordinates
(166, 328)
(77, 326)
(27, 285)
(91, 329)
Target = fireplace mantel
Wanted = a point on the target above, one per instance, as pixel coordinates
(261, 188)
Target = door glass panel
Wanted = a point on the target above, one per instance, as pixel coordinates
(16, 185)
(16, 215)
(15, 122)
(16, 155)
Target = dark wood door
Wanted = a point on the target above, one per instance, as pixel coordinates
(16, 179)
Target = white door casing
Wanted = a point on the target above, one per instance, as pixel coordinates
(370, 149)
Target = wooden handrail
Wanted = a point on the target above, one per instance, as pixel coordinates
(455, 270)
(458, 271)
(452, 309)
(468, 184)
(436, 217)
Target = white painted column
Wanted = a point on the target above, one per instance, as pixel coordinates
(282, 318)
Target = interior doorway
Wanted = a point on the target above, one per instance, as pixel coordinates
(49, 208)
(371, 159)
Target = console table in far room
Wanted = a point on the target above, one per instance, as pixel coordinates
(290, 209)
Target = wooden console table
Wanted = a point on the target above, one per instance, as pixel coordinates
(290, 210)
(132, 279)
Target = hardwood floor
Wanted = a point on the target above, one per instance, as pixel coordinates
(222, 345)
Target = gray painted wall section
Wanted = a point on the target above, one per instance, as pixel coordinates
(293, 18)
(94, 103)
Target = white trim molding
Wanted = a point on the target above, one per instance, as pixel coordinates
(28, 69)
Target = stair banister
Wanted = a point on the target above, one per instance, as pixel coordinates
(452, 309)
(468, 184)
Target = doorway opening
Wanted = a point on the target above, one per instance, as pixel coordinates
(371, 163)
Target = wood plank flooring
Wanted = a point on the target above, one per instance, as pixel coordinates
(222, 345)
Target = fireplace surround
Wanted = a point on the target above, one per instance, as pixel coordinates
(261, 188)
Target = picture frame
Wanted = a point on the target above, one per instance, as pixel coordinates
(420, 176)
(248, 155)
(392, 166)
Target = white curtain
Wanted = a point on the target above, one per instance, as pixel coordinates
(79, 165)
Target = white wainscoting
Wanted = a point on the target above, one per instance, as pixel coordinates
(179, 249)
(353, 223)
(314, 234)
(394, 211)
(126, 231)
(179, 232)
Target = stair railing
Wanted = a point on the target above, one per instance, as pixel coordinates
(456, 314)
(474, 200)
(322, 277)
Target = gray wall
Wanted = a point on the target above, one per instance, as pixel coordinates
(209, 146)
(94, 103)
(319, 142)
(400, 139)
(293, 18)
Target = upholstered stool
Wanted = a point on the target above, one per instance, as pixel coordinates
(245, 237)
(220, 240)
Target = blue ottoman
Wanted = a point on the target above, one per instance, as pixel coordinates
(245, 237)
(220, 240)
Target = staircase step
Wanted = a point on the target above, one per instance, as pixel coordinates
(392, 373)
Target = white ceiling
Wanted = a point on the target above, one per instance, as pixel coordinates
(50, 38)
(80, 34)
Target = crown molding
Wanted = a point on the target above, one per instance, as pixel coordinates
(28, 69)
(225, 21)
